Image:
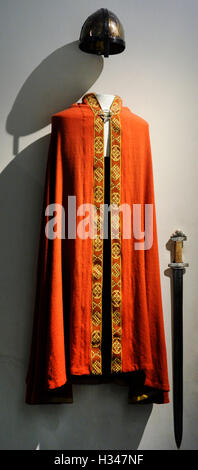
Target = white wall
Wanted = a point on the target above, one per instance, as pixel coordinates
(42, 72)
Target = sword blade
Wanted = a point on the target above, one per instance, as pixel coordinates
(178, 354)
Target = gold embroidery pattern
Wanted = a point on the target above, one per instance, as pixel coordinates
(97, 259)
(115, 197)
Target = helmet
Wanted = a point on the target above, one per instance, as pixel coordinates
(102, 33)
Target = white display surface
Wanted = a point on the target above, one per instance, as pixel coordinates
(105, 103)
(43, 72)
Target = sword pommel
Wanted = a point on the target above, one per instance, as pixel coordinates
(177, 238)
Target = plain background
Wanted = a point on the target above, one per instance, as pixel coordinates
(42, 72)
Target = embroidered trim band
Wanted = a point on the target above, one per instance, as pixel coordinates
(115, 198)
(97, 258)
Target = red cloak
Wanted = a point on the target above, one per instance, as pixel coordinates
(71, 302)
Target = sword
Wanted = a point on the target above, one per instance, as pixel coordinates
(178, 270)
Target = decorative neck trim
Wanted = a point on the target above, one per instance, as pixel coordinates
(92, 100)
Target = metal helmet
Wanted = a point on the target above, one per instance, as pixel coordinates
(102, 33)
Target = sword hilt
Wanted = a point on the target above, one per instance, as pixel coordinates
(177, 238)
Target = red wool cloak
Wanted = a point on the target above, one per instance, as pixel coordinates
(71, 303)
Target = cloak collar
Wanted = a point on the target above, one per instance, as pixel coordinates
(92, 100)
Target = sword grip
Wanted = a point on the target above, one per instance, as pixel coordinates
(178, 252)
(177, 238)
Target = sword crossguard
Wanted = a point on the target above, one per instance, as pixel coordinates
(177, 238)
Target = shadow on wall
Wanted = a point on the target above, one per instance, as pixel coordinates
(58, 81)
(100, 416)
